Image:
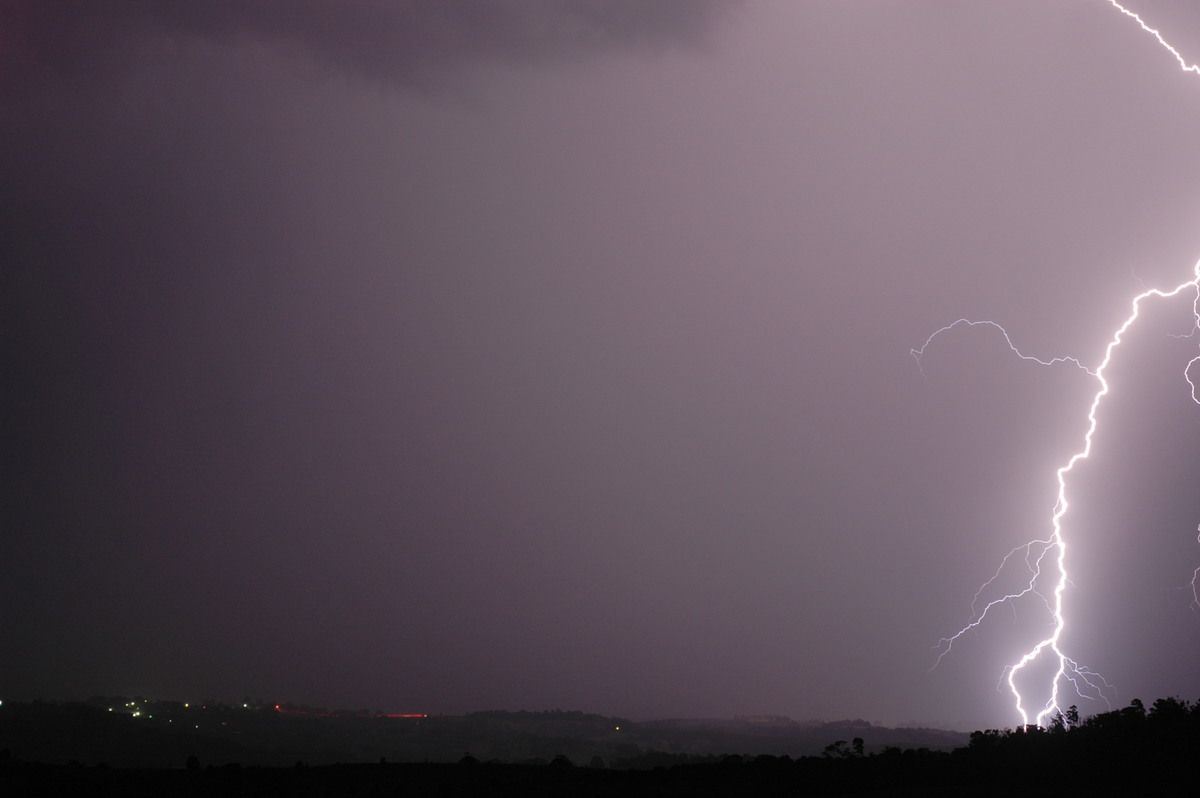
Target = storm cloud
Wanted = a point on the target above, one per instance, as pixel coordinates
(412, 43)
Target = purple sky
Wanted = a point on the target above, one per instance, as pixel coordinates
(438, 357)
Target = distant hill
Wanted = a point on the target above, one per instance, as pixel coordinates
(123, 732)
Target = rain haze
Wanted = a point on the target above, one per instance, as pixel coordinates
(440, 357)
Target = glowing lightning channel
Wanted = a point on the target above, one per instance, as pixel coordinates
(1183, 64)
(1067, 668)
(1087, 683)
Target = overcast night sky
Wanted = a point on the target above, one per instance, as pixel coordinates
(439, 357)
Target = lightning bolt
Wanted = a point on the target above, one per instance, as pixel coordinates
(1183, 64)
(1086, 682)
(1041, 553)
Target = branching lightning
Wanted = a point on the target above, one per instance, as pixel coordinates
(1047, 557)
(920, 352)
(1085, 681)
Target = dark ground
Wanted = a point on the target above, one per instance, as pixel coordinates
(1131, 751)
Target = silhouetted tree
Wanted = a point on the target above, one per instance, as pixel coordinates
(1169, 711)
(836, 750)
